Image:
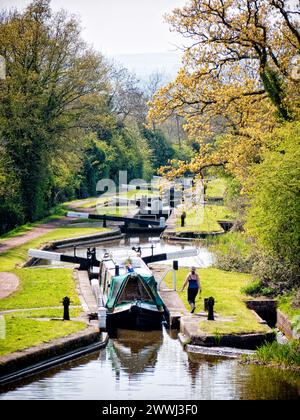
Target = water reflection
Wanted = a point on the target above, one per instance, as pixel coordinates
(153, 365)
(135, 352)
(271, 384)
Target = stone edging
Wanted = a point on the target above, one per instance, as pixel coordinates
(227, 352)
(285, 325)
(191, 335)
(101, 236)
(22, 359)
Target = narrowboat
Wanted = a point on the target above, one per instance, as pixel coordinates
(129, 293)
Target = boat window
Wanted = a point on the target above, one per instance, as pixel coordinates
(134, 290)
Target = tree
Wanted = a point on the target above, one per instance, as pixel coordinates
(162, 150)
(274, 215)
(126, 98)
(49, 71)
(240, 54)
(237, 79)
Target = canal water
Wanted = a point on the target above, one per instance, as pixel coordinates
(153, 365)
(148, 245)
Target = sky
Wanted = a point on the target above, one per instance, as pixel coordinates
(117, 27)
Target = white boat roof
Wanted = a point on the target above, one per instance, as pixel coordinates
(121, 260)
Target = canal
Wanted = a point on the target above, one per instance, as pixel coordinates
(153, 365)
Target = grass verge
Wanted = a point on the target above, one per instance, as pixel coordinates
(22, 333)
(204, 219)
(19, 255)
(41, 287)
(225, 287)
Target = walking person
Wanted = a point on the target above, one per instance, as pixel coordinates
(194, 287)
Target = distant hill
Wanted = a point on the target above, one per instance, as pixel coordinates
(145, 64)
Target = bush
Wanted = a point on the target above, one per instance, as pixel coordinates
(296, 300)
(274, 272)
(233, 252)
(233, 260)
(273, 217)
(281, 354)
(257, 288)
(10, 217)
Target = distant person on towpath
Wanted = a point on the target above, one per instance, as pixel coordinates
(193, 280)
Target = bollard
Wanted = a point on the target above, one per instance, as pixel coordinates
(210, 306)
(175, 268)
(183, 216)
(104, 221)
(66, 302)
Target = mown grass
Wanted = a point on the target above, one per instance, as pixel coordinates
(21, 333)
(216, 188)
(41, 287)
(18, 255)
(225, 287)
(204, 219)
(47, 313)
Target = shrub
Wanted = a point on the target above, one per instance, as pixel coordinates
(233, 260)
(274, 272)
(10, 217)
(282, 354)
(296, 300)
(257, 288)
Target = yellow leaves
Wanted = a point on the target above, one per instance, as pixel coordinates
(220, 90)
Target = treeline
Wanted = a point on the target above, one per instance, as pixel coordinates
(68, 117)
(238, 92)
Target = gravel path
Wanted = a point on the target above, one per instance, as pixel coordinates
(33, 233)
(9, 283)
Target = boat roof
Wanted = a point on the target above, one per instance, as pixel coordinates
(137, 264)
(119, 284)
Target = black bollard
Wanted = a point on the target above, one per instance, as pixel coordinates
(66, 302)
(183, 216)
(104, 222)
(210, 307)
